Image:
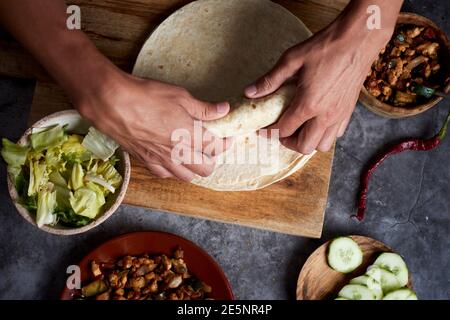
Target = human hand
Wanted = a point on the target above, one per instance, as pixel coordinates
(141, 116)
(329, 69)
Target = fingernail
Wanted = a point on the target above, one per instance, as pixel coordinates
(223, 107)
(250, 91)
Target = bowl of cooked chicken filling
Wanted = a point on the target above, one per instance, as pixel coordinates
(148, 265)
(412, 73)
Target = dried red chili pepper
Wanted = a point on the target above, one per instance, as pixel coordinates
(412, 145)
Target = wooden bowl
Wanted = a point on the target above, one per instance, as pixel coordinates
(199, 263)
(389, 111)
(75, 124)
(318, 281)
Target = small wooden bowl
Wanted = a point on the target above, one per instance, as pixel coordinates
(75, 124)
(389, 111)
(318, 281)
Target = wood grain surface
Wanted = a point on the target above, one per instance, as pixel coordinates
(318, 281)
(119, 28)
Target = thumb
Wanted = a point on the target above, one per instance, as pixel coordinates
(270, 82)
(201, 110)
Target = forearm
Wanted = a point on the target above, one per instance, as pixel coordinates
(352, 30)
(67, 55)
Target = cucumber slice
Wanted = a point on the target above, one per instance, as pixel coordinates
(371, 284)
(395, 264)
(340, 298)
(344, 255)
(356, 292)
(402, 294)
(362, 280)
(386, 279)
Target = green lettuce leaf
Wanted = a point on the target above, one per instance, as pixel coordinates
(46, 205)
(74, 151)
(87, 201)
(38, 177)
(110, 174)
(76, 178)
(30, 203)
(14, 154)
(15, 157)
(99, 144)
(71, 219)
(56, 178)
(53, 158)
(62, 198)
(50, 137)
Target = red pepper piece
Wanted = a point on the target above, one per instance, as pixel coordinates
(429, 33)
(412, 145)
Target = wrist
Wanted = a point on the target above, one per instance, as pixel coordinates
(352, 31)
(100, 91)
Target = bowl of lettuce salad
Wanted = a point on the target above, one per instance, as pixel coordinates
(65, 176)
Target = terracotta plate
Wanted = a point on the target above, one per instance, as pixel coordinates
(317, 281)
(199, 263)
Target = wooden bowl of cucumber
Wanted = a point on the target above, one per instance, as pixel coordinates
(354, 268)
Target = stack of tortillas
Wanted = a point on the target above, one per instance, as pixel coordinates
(215, 48)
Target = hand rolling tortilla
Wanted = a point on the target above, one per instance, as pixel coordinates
(214, 49)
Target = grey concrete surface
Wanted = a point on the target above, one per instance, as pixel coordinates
(408, 209)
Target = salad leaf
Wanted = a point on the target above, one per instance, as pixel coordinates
(74, 151)
(99, 144)
(53, 158)
(15, 156)
(76, 178)
(100, 181)
(48, 138)
(87, 201)
(110, 174)
(45, 208)
(38, 177)
(30, 203)
(62, 198)
(71, 219)
(56, 178)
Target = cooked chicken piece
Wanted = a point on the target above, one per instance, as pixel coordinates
(166, 262)
(427, 71)
(113, 279)
(435, 67)
(119, 292)
(394, 74)
(386, 90)
(95, 269)
(127, 262)
(414, 32)
(395, 52)
(428, 49)
(410, 52)
(137, 283)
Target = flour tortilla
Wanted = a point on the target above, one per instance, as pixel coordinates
(214, 49)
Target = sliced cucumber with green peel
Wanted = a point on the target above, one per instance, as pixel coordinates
(340, 298)
(362, 280)
(356, 292)
(371, 284)
(402, 294)
(386, 279)
(344, 255)
(395, 264)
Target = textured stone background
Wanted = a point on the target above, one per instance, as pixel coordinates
(408, 209)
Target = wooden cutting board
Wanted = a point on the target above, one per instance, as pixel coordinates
(119, 28)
